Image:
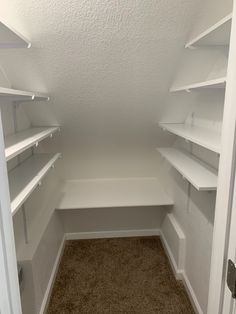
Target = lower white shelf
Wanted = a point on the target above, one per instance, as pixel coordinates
(198, 173)
(25, 178)
(204, 137)
(105, 193)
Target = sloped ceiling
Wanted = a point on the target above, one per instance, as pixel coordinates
(107, 65)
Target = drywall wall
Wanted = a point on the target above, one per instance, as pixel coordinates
(38, 270)
(113, 220)
(44, 232)
(107, 66)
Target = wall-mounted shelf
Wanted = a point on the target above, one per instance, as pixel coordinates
(215, 83)
(27, 176)
(21, 96)
(113, 193)
(19, 142)
(10, 38)
(198, 173)
(15, 95)
(216, 35)
(204, 137)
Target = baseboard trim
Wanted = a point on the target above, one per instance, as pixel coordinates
(181, 275)
(193, 299)
(112, 234)
(48, 291)
(177, 272)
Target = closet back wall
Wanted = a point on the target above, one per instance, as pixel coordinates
(107, 66)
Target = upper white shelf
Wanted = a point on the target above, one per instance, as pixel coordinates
(218, 34)
(10, 38)
(19, 142)
(107, 193)
(215, 83)
(21, 96)
(25, 178)
(204, 137)
(198, 173)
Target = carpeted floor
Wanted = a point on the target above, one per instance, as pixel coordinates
(117, 276)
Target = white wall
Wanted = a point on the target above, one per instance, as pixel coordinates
(112, 219)
(107, 66)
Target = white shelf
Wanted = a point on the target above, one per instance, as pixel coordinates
(199, 174)
(10, 38)
(14, 94)
(19, 142)
(107, 193)
(204, 137)
(216, 83)
(26, 177)
(216, 35)
(21, 96)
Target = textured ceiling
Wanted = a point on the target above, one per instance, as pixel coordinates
(107, 64)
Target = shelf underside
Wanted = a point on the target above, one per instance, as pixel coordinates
(198, 173)
(204, 137)
(16, 95)
(107, 193)
(219, 83)
(216, 35)
(10, 38)
(25, 178)
(19, 142)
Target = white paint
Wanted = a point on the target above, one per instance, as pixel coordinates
(216, 83)
(112, 219)
(10, 299)
(27, 176)
(112, 234)
(216, 35)
(113, 193)
(107, 70)
(10, 38)
(40, 267)
(199, 174)
(191, 293)
(204, 137)
(175, 242)
(18, 143)
(51, 281)
(211, 13)
(205, 67)
(225, 188)
(108, 67)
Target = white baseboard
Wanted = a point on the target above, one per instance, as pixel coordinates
(112, 234)
(177, 272)
(196, 306)
(48, 291)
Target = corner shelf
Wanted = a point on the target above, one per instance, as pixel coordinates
(215, 83)
(198, 173)
(10, 38)
(201, 136)
(216, 35)
(105, 193)
(27, 176)
(19, 142)
(21, 96)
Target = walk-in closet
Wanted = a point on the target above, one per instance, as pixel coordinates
(117, 157)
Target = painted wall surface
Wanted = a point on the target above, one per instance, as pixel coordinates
(107, 66)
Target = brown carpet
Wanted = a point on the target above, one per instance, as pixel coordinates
(117, 276)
